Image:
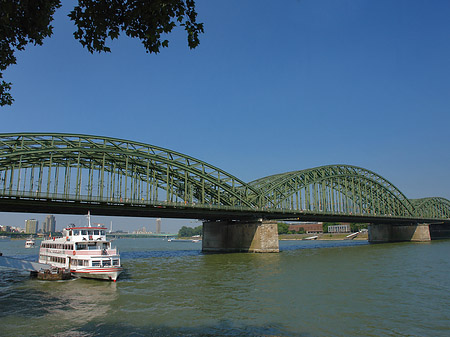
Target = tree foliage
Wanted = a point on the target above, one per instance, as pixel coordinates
(283, 228)
(28, 21)
(21, 22)
(146, 20)
(186, 232)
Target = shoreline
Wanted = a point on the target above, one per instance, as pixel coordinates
(322, 237)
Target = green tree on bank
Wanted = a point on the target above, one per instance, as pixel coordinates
(283, 228)
(28, 21)
(186, 232)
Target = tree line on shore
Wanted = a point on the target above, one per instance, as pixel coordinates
(283, 228)
(186, 232)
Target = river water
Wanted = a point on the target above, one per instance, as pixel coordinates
(311, 288)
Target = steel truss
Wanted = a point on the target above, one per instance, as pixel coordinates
(92, 169)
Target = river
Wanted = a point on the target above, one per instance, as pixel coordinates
(311, 288)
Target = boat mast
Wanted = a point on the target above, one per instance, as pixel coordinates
(89, 218)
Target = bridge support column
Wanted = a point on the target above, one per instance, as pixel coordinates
(240, 236)
(395, 233)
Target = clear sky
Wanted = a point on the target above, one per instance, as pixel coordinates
(274, 86)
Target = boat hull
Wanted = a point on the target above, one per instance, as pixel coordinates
(109, 274)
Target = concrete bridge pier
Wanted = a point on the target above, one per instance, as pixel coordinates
(394, 233)
(256, 236)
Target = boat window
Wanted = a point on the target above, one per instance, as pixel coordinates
(102, 232)
(81, 246)
(115, 262)
(106, 262)
(95, 263)
(76, 232)
(96, 232)
(84, 232)
(91, 232)
(92, 246)
(70, 233)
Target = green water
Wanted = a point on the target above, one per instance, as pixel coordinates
(317, 288)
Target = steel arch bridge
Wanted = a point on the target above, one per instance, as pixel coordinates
(71, 173)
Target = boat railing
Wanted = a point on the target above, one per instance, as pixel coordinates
(95, 252)
(112, 251)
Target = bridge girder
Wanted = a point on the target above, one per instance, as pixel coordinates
(72, 167)
(334, 188)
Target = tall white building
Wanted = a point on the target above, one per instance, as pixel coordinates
(158, 226)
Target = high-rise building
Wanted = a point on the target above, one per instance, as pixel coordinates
(49, 224)
(158, 226)
(31, 226)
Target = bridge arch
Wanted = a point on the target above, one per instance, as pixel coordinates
(334, 189)
(83, 167)
(433, 207)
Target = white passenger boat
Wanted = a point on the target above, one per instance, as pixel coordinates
(84, 251)
(30, 243)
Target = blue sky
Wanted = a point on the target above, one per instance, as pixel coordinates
(274, 86)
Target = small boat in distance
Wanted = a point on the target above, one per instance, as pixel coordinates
(178, 240)
(351, 236)
(84, 251)
(311, 237)
(30, 243)
(182, 240)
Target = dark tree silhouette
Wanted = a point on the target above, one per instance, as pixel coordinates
(28, 21)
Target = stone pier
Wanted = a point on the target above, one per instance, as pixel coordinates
(394, 233)
(257, 236)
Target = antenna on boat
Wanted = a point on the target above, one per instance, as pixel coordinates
(110, 230)
(89, 218)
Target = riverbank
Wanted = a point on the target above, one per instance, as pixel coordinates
(324, 236)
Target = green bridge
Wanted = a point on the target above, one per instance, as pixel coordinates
(71, 174)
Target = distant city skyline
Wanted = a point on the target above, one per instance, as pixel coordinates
(119, 223)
